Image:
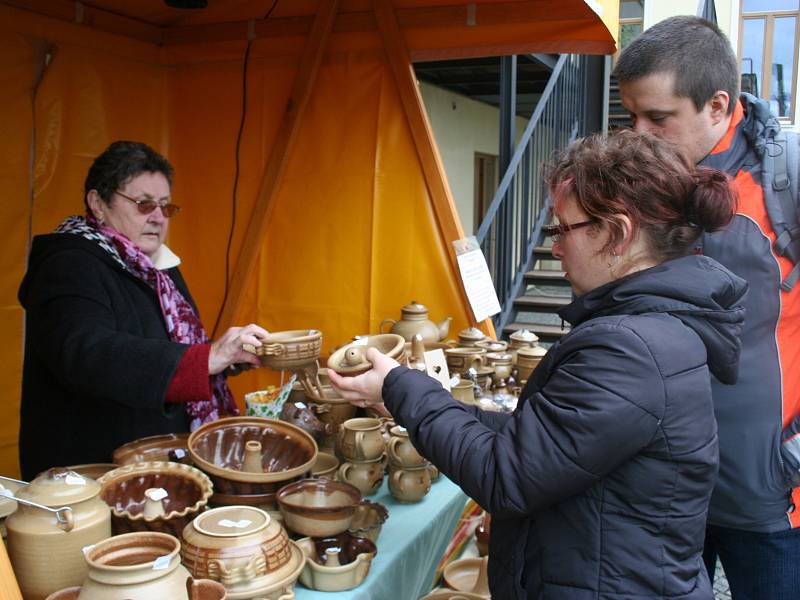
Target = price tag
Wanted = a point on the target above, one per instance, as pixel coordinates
(87, 549)
(156, 494)
(362, 341)
(179, 452)
(161, 563)
(300, 404)
(235, 524)
(73, 478)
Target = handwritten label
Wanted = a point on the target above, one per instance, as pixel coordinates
(235, 524)
(161, 563)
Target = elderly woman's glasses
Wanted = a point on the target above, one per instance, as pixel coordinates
(557, 232)
(148, 205)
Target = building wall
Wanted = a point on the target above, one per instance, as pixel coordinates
(462, 127)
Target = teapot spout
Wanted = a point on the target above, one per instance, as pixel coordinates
(444, 328)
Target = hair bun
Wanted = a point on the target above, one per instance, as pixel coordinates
(712, 203)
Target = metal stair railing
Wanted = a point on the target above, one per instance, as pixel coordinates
(511, 228)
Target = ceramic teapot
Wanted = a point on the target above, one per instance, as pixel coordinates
(414, 321)
(60, 513)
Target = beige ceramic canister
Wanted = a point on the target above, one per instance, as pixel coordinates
(142, 565)
(47, 553)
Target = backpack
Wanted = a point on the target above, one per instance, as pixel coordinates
(779, 177)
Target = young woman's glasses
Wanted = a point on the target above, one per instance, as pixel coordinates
(147, 206)
(557, 232)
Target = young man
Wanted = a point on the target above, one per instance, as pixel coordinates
(679, 79)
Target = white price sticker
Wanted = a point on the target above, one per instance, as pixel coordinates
(87, 549)
(156, 494)
(362, 341)
(161, 563)
(73, 478)
(234, 524)
(300, 404)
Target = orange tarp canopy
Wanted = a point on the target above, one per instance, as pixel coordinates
(343, 212)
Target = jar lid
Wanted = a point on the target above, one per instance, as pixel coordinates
(524, 335)
(532, 351)
(415, 308)
(471, 333)
(231, 521)
(60, 487)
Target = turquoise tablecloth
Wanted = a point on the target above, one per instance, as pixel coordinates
(410, 546)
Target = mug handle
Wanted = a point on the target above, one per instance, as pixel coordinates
(393, 441)
(360, 444)
(380, 327)
(342, 473)
(397, 481)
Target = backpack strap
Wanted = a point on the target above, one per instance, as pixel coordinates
(780, 175)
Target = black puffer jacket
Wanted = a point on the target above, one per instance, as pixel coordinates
(599, 483)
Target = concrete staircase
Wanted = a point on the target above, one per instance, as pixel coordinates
(618, 117)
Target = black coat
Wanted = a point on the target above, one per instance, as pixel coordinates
(599, 482)
(98, 360)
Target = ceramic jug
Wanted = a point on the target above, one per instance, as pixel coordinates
(414, 320)
(45, 543)
(401, 450)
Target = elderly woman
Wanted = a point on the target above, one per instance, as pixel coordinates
(114, 347)
(599, 482)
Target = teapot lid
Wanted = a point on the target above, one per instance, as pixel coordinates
(415, 308)
(231, 521)
(524, 335)
(471, 333)
(60, 487)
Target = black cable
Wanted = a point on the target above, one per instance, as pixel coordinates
(239, 135)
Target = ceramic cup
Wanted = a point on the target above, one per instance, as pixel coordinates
(410, 485)
(461, 360)
(464, 391)
(367, 476)
(401, 451)
(360, 439)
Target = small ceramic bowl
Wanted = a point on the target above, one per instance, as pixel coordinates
(318, 507)
(336, 563)
(170, 446)
(126, 489)
(368, 520)
(325, 466)
(468, 575)
(350, 359)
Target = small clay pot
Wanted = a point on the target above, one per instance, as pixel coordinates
(410, 485)
(461, 360)
(368, 520)
(336, 563)
(401, 451)
(350, 360)
(360, 439)
(318, 507)
(289, 350)
(366, 475)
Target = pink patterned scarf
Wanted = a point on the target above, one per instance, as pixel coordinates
(183, 325)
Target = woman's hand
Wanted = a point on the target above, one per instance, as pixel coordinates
(366, 389)
(228, 350)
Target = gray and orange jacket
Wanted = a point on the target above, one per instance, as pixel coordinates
(754, 491)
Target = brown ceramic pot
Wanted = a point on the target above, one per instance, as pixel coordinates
(331, 410)
(401, 451)
(126, 489)
(410, 485)
(461, 360)
(414, 321)
(318, 507)
(245, 550)
(138, 566)
(368, 520)
(45, 549)
(337, 563)
(170, 446)
(289, 350)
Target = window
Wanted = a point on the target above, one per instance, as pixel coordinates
(768, 50)
(631, 21)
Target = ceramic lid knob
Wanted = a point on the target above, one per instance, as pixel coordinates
(353, 356)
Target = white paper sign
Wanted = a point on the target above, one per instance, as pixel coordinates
(477, 282)
(436, 367)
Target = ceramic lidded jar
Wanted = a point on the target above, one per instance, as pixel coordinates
(138, 565)
(46, 554)
(414, 320)
(244, 549)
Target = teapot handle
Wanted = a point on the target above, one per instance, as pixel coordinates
(380, 327)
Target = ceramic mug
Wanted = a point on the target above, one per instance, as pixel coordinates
(410, 485)
(464, 391)
(367, 476)
(361, 439)
(461, 360)
(401, 450)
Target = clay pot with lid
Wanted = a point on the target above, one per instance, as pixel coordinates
(220, 449)
(470, 336)
(414, 321)
(45, 543)
(155, 496)
(245, 550)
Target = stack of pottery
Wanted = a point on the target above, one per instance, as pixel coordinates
(245, 550)
(155, 496)
(324, 510)
(501, 363)
(332, 410)
(59, 513)
(409, 472)
(250, 458)
(361, 445)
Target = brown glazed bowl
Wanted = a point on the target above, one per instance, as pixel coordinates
(170, 446)
(350, 360)
(244, 549)
(123, 489)
(318, 507)
(326, 466)
(218, 449)
(368, 520)
(293, 349)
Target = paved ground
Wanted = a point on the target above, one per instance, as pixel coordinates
(721, 590)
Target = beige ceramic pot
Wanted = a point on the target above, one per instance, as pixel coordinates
(464, 391)
(245, 550)
(155, 496)
(461, 360)
(410, 485)
(94, 470)
(401, 451)
(528, 359)
(414, 321)
(350, 360)
(289, 350)
(492, 345)
(332, 410)
(360, 439)
(45, 548)
(135, 566)
(470, 336)
(337, 563)
(367, 475)
(318, 507)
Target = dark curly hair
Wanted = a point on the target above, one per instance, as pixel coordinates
(669, 200)
(121, 162)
